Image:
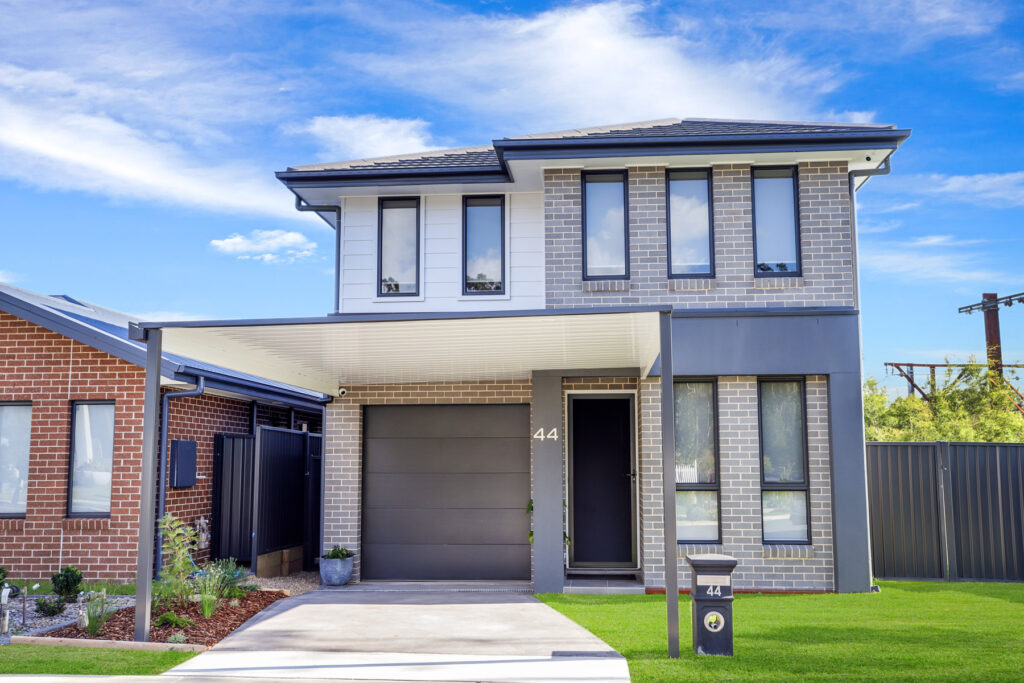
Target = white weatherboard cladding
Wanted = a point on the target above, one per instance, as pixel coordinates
(441, 257)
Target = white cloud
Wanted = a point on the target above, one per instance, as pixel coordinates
(8, 277)
(929, 258)
(585, 65)
(269, 246)
(366, 135)
(987, 189)
(941, 241)
(895, 208)
(868, 227)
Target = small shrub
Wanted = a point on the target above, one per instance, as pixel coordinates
(248, 587)
(234, 603)
(49, 607)
(209, 585)
(169, 618)
(208, 604)
(178, 545)
(67, 582)
(176, 638)
(338, 553)
(3, 574)
(229, 575)
(236, 592)
(96, 608)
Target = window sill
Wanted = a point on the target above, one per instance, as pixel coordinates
(785, 550)
(686, 548)
(778, 282)
(12, 523)
(507, 296)
(86, 523)
(398, 299)
(690, 284)
(605, 285)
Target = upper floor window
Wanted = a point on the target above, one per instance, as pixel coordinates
(483, 239)
(776, 221)
(696, 458)
(690, 241)
(605, 221)
(784, 483)
(92, 458)
(398, 247)
(15, 436)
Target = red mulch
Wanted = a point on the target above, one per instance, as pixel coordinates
(121, 625)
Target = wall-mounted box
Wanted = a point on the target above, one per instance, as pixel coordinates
(183, 463)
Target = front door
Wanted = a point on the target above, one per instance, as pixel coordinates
(602, 482)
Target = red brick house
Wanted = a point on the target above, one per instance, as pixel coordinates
(71, 404)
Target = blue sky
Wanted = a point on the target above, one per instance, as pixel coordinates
(138, 141)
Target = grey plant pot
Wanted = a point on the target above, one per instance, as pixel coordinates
(335, 572)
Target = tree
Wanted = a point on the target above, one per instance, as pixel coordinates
(965, 404)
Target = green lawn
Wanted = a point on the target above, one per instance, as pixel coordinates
(909, 632)
(51, 659)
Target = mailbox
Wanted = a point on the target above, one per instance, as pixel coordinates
(711, 603)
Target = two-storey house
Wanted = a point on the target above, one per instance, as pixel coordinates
(577, 354)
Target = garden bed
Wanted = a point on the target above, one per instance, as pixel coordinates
(121, 625)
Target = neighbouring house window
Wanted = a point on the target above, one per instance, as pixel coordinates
(697, 483)
(784, 490)
(92, 458)
(605, 221)
(15, 437)
(483, 239)
(398, 245)
(690, 241)
(776, 221)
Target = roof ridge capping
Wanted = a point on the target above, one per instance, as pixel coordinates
(888, 126)
(570, 132)
(426, 154)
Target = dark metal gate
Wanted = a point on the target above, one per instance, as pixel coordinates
(266, 494)
(944, 510)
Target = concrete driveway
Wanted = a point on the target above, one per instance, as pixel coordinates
(379, 634)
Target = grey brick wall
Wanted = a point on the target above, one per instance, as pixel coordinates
(825, 238)
(762, 567)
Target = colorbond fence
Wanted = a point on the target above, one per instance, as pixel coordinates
(946, 510)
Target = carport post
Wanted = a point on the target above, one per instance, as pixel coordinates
(668, 459)
(147, 506)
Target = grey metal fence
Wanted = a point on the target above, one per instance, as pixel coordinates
(947, 510)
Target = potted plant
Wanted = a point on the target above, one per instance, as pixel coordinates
(336, 566)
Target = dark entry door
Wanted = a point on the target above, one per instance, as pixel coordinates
(601, 461)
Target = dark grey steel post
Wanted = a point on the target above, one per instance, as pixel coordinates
(668, 457)
(548, 542)
(147, 506)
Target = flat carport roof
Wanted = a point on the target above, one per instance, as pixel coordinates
(333, 352)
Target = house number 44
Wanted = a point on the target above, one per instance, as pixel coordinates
(541, 435)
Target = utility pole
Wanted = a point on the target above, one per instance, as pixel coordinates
(989, 305)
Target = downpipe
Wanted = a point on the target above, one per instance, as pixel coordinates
(165, 413)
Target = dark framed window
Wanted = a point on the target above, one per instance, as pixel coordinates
(398, 246)
(690, 222)
(696, 459)
(785, 501)
(483, 244)
(776, 217)
(605, 225)
(91, 465)
(15, 441)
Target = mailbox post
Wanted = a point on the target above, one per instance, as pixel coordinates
(711, 603)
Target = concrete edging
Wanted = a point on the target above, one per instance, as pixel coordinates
(112, 644)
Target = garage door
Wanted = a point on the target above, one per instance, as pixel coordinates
(444, 492)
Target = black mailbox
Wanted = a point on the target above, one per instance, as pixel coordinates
(711, 603)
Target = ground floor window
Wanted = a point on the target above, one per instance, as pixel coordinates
(92, 458)
(15, 435)
(784, 480)
(696, 462)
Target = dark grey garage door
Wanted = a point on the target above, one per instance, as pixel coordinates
(444, 492)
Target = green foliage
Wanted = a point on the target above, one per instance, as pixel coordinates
(67, 582)
(234, 603)
(49, 607)
(176, 638)
(3, 574)
(169, 618)
(96, 608)
(209, 585)
(179, 543)
(247, 588)
(966, 404)
(339, 553)
(208, 604)
(228, 575)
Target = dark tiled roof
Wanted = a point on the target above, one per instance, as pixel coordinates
(474, 159)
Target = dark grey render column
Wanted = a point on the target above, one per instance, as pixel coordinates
(548, 544)
(668, 459)
(147, 512)
(852, 542)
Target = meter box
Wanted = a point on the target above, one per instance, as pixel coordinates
(183, 464)
(711, 603)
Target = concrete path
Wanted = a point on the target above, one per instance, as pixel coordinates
(409, 635)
